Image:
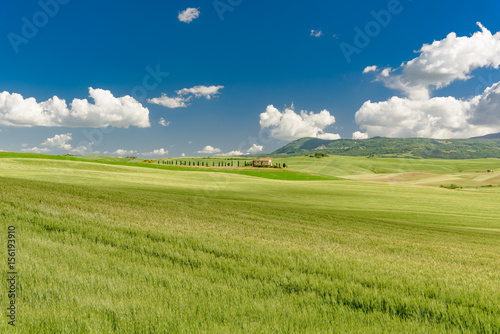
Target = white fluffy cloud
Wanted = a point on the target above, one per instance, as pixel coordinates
(106, 110)
(59, 142)
(36, 150)
(169, 102)
(122, 152)
(232, 153)
(438, 65)
(188, 15)
(185, 95)
(329, 136)
(439, 117)
(369, 69)
(360, 135)
(386, 72)
(255, 148)
(209, 150)
(163, 122)
(443, 62)
(160, 151)
(487, 108)
(288, 125)
(201, 91)
(316, 33)
(83, 150)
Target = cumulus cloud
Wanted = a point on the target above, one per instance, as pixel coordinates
(163, 122)
(438, 65)
(169, 102)
(160, 151)
(385, 72)
(209, 150)
(106, 110)
(445, 61)
(316, 33)
(36, 150)
(83, 150)
(183, 154)
(360, 135)
(201, 91)
(288, 125)
(487, 110)
(255, 148)
(121, 152)
(59, 142)
(369, 69)
(439, 117)
(185, 95)
(232, 153)
(329, 136)
(188, 15)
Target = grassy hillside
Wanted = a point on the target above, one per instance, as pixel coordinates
(397, 147)
(267, 173)
(428, 172)
(123, 248)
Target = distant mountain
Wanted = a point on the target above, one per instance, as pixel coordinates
(397, 147)
(490, 136)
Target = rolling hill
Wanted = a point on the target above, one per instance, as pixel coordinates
(490, 136)
(118, 247)
(396, 147)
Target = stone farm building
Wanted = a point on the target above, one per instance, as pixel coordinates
(262, 162)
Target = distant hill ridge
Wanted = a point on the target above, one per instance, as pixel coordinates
(490, 136)
(477, 148)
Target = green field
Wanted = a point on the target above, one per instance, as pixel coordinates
(337, 244)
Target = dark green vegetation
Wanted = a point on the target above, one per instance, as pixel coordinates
(122, 248)
(397, 147)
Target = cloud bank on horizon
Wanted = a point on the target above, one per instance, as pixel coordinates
(438, 65)
(62, 142)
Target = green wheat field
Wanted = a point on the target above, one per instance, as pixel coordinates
(330, 245)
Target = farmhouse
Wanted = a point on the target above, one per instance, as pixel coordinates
(262, 162)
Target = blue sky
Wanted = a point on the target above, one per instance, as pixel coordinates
(244, 76)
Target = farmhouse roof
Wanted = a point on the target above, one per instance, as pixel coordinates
(261, 159)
